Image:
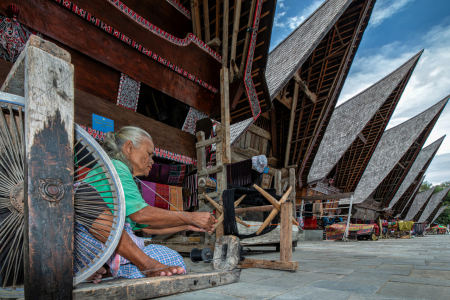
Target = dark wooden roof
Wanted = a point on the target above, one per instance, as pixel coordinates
(436, 213)
(323, 68)
(367, 113)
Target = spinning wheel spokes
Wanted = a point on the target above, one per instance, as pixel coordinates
(89, 202)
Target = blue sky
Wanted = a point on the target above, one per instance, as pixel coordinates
(397, 30)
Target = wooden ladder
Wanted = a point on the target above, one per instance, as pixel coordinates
(218, 169)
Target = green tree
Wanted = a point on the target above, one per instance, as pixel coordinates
(425, 186)
(444, 218)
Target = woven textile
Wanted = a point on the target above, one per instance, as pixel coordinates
(192, 184)
(148, 193)
(336, 231)
(13, 37)
(240, 173)
(176, 198)
(192, 117)
(164, 174)
(128, 92)
(176, 175)
(121, 267)
(162, 192)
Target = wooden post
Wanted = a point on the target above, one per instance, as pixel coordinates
(273, 131)
(291, 124)
(201, 162)
(221, 178)
(237, 17)
(225, 115)
(286, 232)
(226, 13)
(206, 20)
(193, 18)
(218, 21)
(278, 183)
(198, 26)
(48, 199)
(292, 194)
(247, 38)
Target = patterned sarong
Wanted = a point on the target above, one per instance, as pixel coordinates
(336, 231)
(163, 191)
(121, 267)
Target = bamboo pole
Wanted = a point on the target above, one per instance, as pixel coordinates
(206, 20)
(237, 17)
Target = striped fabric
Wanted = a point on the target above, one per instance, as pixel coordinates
(176, 198)
(163, 191)
(121, 267)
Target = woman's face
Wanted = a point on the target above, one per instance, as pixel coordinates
(141, 157)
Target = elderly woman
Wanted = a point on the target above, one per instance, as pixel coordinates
(131, 151)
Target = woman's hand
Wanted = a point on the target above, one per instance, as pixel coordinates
(203, 219)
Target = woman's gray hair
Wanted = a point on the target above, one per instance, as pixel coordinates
(114, 142)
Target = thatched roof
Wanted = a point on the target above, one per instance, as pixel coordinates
(418, 202)
(394, 143)
(435, 201)
(349, 120)
(425, 155)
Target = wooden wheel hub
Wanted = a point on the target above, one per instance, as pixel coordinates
(16, 197)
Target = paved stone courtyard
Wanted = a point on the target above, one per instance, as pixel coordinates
(386, 269)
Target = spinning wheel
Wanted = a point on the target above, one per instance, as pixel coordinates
(88, 203)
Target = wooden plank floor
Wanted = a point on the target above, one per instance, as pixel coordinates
(154, 287)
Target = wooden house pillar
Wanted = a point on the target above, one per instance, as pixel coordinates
(43, 74)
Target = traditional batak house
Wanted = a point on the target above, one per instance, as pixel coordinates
(435, 214)
(434, 204)
(417, 204)
(355, 129)
(413, 177)
(410, 200)
(305, 74)
(391, 161)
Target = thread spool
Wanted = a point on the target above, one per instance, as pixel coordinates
(206, 183)
(205, 255)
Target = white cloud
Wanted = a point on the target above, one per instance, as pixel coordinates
(429, 83)
(439, 170)
(293, 22)
(385, 9)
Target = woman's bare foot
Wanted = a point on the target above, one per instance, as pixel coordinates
(97, 276)
(154, 268)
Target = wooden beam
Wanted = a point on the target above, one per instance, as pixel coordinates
(225, 24)
(193, 18)
(260, 132)
(217, 20)
(209, 171)
(254, 209)
(237, 17)
(196, 9)
(208, 142)
(164, 136)
(282, 97)
(225, 115)
(286, 232)
(273, 131)
(153, 287)
(326, 197)
(49, 123)
(291, 124)
(206, 20)
(363, 139)
(269, 264)
(95, 43)
(311, 96)
(247, 38)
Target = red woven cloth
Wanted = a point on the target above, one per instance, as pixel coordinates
(162, 191)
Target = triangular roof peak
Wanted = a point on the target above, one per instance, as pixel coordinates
(435, 200)
(422, 159)
(287, 57)
(392, 146)
(350, 118)
(419, 201)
